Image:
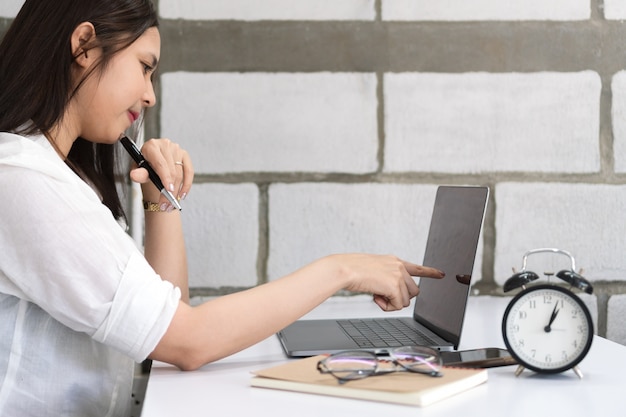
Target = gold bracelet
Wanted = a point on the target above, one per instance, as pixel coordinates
(150, 206)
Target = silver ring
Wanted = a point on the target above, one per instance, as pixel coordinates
(179, 163)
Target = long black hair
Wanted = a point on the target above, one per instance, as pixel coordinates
(36, 81)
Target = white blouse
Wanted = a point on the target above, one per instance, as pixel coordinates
(78, 300)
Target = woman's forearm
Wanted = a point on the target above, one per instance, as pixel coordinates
(165, 248)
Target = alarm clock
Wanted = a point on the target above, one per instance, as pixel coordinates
(547, 328)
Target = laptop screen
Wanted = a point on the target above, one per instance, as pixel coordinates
(451, 247)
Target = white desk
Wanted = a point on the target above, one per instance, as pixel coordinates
(222, 388)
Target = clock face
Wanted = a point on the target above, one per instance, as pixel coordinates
(547, 329)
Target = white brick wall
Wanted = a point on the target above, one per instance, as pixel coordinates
(481, 122)
(618, 117)
(268, 9)
(9, 8)
(615, 9)
(616, 326)
(454, 10)
(311, 220)
(317, 122)
(463, 10)
(585, 219)
(221, 228)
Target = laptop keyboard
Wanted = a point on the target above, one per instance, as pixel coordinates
(383, 333)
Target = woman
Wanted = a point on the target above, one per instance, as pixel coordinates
(78, 301)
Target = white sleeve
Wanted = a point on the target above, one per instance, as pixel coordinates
(62, 249)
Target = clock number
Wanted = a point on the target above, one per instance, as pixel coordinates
(532, 304)
(548, 358)
(522, 315)
(547, 299)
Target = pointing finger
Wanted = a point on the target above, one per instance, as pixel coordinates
(423, 271)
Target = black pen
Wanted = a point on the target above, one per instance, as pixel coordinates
(134, 152)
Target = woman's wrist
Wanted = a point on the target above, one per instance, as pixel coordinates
(151, 206)
(150, 193)
(152, 202)
(333, 268)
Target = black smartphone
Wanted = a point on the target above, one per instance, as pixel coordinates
(478, 358)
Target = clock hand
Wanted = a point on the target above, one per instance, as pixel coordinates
(548, 328)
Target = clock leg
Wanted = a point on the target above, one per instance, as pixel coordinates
(578, 372)
(519, 370)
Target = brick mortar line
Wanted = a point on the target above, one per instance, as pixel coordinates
(409, 178)
(303, 46)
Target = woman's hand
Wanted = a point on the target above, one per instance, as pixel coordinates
(388, 278)
(171, 163)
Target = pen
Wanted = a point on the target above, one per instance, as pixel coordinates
(134, 152)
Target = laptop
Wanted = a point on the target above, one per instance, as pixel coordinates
(439, 308)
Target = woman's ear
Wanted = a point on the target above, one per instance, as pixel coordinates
(82, 41)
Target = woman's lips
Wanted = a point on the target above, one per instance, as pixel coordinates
(133, 116)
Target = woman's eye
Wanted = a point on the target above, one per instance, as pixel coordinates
(147, 68)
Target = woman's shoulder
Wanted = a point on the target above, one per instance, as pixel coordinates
(13, 146)
(30, 152)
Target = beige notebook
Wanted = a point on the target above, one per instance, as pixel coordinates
(399, 387)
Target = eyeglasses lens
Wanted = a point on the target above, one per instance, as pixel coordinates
(351, 365)
(418, 359)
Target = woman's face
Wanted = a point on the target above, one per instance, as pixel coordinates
(110, 101)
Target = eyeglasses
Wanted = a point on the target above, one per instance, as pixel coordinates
(350, 365)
